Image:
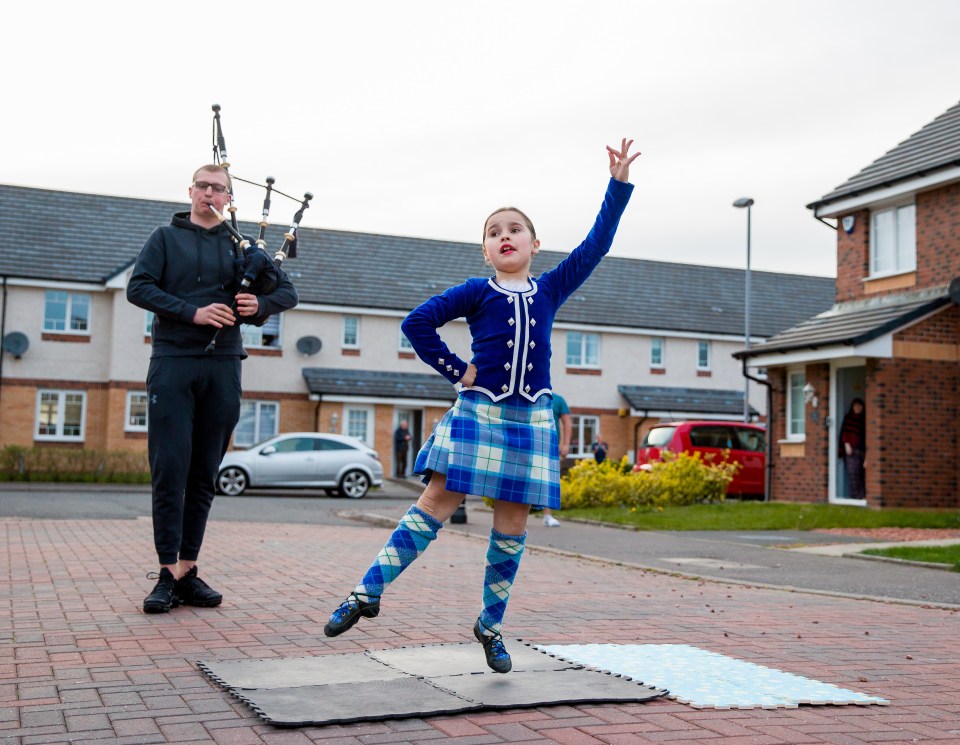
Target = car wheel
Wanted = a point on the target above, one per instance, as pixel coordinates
(354, 484)
(232, 481)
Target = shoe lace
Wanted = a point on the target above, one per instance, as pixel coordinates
(493, 642)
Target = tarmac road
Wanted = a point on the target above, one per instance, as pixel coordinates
(749, 557)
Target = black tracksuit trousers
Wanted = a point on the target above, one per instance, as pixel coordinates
(194, 405)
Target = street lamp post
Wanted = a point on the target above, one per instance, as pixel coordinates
(748, 203)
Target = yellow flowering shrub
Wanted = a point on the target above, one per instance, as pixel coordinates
(675, 480)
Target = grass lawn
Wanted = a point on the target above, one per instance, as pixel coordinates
(734, 515)
(932, 554)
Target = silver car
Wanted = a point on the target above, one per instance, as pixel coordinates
(335, 463)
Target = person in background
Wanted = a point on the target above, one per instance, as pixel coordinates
(401, 447)
(853, 448)
(599, 448)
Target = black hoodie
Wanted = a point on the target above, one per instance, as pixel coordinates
(183, 267)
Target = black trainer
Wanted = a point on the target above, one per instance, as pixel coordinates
(162, 598)
(191, 590)
(349, 613)
(498, 659)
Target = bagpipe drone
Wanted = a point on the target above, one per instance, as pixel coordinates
(259, 272)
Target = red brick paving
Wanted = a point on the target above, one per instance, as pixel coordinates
(80, 663)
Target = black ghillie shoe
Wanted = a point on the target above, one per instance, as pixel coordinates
(191, 590)
(349, 613)
(498, 659)
(162, 598)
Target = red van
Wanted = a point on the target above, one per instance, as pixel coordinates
(746, 443)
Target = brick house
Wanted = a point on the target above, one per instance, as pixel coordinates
(891, 337)
(640, 341)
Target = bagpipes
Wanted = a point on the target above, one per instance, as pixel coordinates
(258, 273)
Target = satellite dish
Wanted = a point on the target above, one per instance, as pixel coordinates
(308, 345)
(16, 343)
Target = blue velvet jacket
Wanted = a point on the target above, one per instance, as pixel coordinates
(511, 330)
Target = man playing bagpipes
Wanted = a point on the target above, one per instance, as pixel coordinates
(198, 281)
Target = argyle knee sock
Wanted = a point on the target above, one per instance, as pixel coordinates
(410, 539)
(503, 560)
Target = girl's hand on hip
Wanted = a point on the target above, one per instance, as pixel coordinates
(469, 376)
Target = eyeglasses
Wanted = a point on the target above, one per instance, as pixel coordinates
(204, 185)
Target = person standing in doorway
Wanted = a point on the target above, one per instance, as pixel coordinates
(401, 447)
(853, 448)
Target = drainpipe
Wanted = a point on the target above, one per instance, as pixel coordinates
(636, 436)
(769, 439)
(316, 412)
(3, 327)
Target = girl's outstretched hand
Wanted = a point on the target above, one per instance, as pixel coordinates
(620, 160)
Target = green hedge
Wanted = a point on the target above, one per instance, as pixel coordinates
(674, 481)
(18, 463)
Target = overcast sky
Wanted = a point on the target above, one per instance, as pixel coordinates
(419, 118)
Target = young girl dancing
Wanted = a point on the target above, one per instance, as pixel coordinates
(499, 439)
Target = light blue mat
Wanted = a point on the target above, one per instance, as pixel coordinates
(705, 679)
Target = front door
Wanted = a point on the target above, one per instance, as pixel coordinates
(850, 384)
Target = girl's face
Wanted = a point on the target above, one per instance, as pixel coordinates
(509, 245)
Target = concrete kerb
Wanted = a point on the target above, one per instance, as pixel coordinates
(389, 522)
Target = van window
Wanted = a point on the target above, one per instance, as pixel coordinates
(658, 437)
(723, 438)
(752, 440)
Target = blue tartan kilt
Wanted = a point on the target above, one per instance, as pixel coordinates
(506, 451)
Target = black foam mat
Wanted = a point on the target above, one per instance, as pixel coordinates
(414, 681)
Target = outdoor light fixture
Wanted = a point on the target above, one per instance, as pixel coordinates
(748, 203)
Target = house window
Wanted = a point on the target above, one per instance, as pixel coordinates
(703, 355)
(358, 423)
(136, 416)
(404, 344)
(893, 240)
(66, 312)
(656, 351)
(258, 421)
(60, 415)
(583, 431)
(351, 332)
(796, 379)
(263, 337)
(583, 350)
(148, 323)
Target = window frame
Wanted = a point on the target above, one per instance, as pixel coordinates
(67, 319)
(403, 343)
(61, 395)
(658, 352)
(344, 344)
(346, 421)
(903, 258)
(796, 380)
(583, 353)
(239, 436)
(579, 445)
(252, 336)
(128, 425)
(703, 345)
